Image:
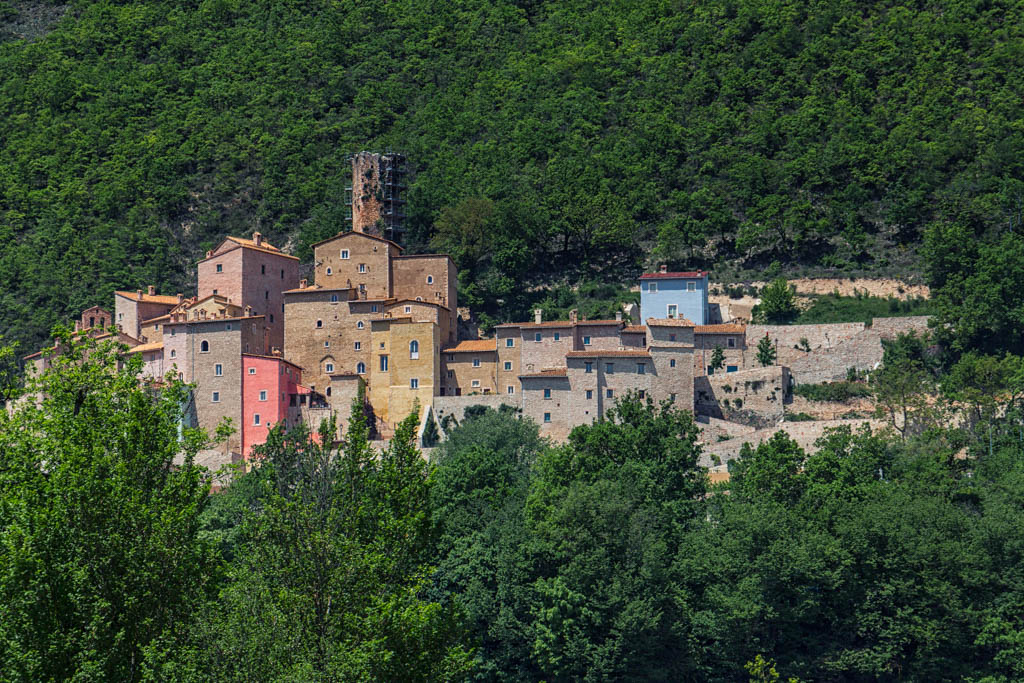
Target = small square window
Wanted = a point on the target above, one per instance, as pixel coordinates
(319, 323)
(508, 365)
(671, 337)
(641, 368)
(652, 287)
(476, 362)
(252, 371)
(536, 336)
(451, 373)
(558, 336)
(414, 383)
(334, 298)
(588, 367)
(218, 370)
(329, 367)
(547, 393)
(547, 417)
(451, 357)
(509, 343)
(586, 341)
(344, 253)
(216, 397)
(327, 344)
(362, 267)
(408, 309)
(609, 367)
(608, 393)
(642, 394)
(263, 395)
(590, 394)
(475, 383)
(229, 328)
(220, 268)
(731, 342)
(373, 308)
(358, 346)
(511, 389)
(691, 286)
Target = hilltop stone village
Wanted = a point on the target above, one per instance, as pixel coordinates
(262, 346)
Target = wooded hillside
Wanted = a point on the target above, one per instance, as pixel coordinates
(548, 139)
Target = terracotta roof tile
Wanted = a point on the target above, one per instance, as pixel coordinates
(151, 346)
(472, 345)
(724, 328)
(149, 298)
(553, 372)
(635, 329)
(622, 353)
(688, 274)
(354, 232)
(669, 322)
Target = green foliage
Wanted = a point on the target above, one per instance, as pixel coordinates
(778, 303)
(832, 308)
(766, 353)
(135, 135)
(832, 391)
(717, 358)
(101, 555)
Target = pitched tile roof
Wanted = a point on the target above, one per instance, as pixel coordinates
(472, 345)
(151, 346)
(149, 298)
(669, 322)
(356, 232)
(686, 274)
(554, 372)
(634, 329)
(722, 328)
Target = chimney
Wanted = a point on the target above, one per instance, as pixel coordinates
(303, 283)
(138, 294)
(248, 311)
(209, 253)
(180, 298)
(538, 315)
(573, 316)
(663, 268)
(618, 316)
(257, 238)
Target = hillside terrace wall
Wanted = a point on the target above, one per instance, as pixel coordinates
(787, 337)
(762, 391)
(804, 433)
(456, 405)
(830, 410)
(890, 328)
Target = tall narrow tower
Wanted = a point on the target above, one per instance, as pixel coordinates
(377, 194)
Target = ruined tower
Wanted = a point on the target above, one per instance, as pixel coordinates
(376, 196)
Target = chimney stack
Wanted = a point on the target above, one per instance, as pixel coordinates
(618, 316)
(257, 238)
(303, 283)
(138, 294)
(152, 290)
(538, 315)
(663, 268)
(573, 316)
(209, 253)
(180, 298)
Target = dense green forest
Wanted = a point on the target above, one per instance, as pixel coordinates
(551, 141)
(880, 557)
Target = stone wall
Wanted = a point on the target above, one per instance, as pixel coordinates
(890, 328)
(830, 410)
(804, 433)
(762, 392)
(456, 405)
(863, 351)
(787, 337)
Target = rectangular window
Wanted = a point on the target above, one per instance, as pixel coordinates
(588, 367)
(358, 346)
(362, 267)
(408, 309)
(383, 363)
(652, 287)
(255, 418)
(641, 368)
(263, 395)
(673, 310)
(216, 397)
(327, 344)
(731, 342)
(329, 367)
(511, 389)
(547, 393)
(731, 368)
(475, 383)
(252, 371)
(373, 308)
(536, 336)
(414, 383)
(547, 417)
(508, 365)
(691, 286)
(263, 270)
(220, 268)
(476, 362)
(271, 317)
(672, 397)
(344, 253)
(608, 393)
(609, 367)
(218, 370)
(451, 373)
(671, 337)
(586, 341)
(672, 362)
(590, 394)
(642, 394)
(509, 343)
(557, 336)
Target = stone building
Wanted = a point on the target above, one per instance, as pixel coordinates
(405, 371)
(271, 387)
(730, 337)
(97, 316)
(377, 195)
(469, 368)
(132, 308)
(251, 273)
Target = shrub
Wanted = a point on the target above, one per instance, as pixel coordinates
(832, 391)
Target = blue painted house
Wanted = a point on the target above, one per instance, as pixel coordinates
(675, 295)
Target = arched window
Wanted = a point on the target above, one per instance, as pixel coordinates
(328, 392)
(414, 349)
(204, 346)
(430, 279)
(361, 368)
(359, 325)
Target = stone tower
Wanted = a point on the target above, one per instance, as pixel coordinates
(377, 194)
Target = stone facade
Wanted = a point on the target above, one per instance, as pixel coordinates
(132, 308)
(430, 277)
(787, 338)
(405, 369)
(377, 194)
(761, 391)
(251, 273)
(353, 260)
(469, 368)
(270, 389)
(733, 341)
(97, 316)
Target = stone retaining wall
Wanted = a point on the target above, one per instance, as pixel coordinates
(760, 390)
(787, 337)
(804, 433)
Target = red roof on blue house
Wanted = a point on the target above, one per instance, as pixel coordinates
(686, 274)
